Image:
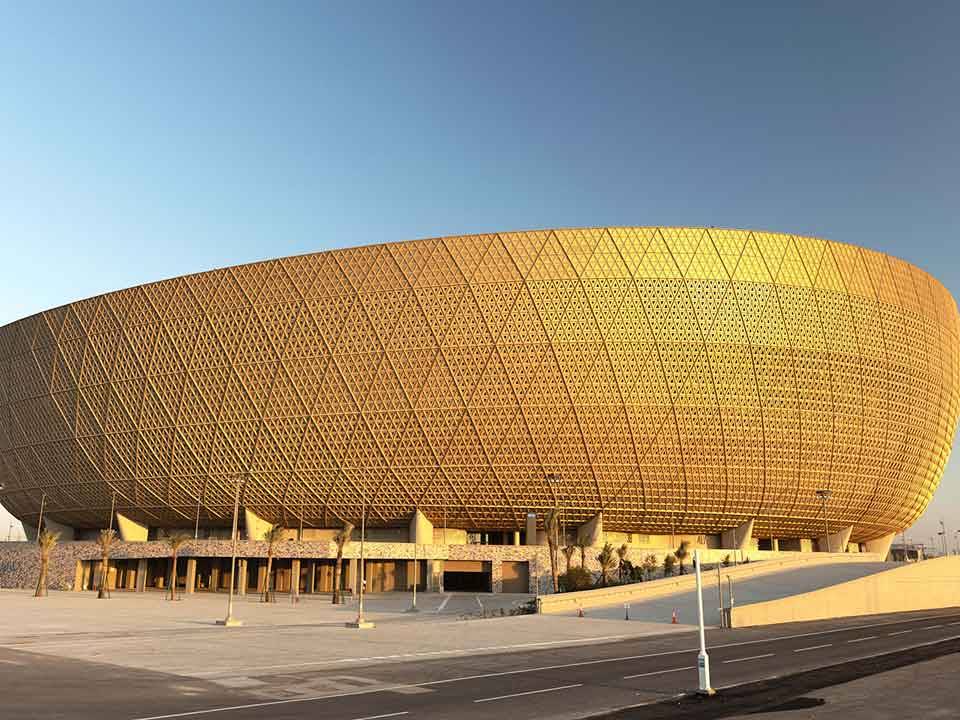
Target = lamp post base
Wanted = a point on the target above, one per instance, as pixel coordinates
(360, 624)
(230, 622)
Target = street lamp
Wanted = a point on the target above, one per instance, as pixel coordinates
(362, 623)
(230, 620)
(943, 535)
(824, 495)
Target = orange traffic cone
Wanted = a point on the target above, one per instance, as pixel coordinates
(673, 619)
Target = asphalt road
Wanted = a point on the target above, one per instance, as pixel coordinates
(563, 682)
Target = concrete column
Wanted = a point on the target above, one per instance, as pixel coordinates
(78, 576)
(352, 574)
(65, 532)
(434, 576)
(191, 576)
(214, 582)
(737, 538)
(775, 544)
(141, 575)
(131, 531)
(255, 527)
(295, 576)
(496, 576)
(532, 529)
(516, 537)
(880, 545)
(838, 540)
(421, 529)
(262, 576)
(592, 530)
(241, 585)
(312, 576)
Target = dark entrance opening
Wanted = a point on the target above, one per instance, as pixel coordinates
(466, 576)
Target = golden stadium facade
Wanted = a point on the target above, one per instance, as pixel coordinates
(677, 379)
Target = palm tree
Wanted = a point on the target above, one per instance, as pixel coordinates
(271, 537)
(105, 541)
(175, 542)
(649, 565)
(582, 544)
(682, 553)
(551, 523)
(608, 560)
(341, 539)
(669, 560)
(568, 551)
(622, 554)
(47, 541)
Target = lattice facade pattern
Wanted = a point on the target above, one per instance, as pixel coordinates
(678, 379)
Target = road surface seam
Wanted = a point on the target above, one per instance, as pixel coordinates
(659, 672)
(814, 647)
(752, 657)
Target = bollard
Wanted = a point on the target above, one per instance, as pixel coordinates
(580, 611)
(626, 611)
(673, 620)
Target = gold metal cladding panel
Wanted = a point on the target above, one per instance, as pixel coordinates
(678, 379)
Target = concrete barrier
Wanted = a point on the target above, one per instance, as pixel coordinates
(638, 592)
(926, 585)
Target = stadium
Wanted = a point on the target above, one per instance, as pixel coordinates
(743, 389)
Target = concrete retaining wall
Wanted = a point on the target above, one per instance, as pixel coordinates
(638, 592)
(925, 585)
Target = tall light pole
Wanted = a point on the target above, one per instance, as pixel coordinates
(703, 660)
(230, 620)
(362, 623)
(943, 534)
(824, 495)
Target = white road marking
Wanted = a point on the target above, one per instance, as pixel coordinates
(931, 627)
(814, 647)
(898, 632)
(752, 657)
(954, 623)
(446, 599)
(11, 662)
(376, 717)
(659, 672)
(529, 692)
(479, 603)
(868, 637)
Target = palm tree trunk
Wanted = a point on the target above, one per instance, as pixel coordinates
(104, 569)
(338, 568)
(266, 587)
(42, 580)
(173, 576)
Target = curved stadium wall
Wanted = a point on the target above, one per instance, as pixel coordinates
(676, 379)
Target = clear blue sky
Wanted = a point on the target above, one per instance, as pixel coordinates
(145, 140)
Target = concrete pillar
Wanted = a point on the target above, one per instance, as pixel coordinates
(838, 540)
(516, 537)
(131, 531)
(312, 576)
(352, 575)
(737, 538)
(262, 576)
(421, 529)
(141, 575)
(295, 576)
(434, 576)
(592, 530)
(880, 545)
(78, 576)
(191, 576)
(65, 532)
(532, 529)
(496, 576)
(241, 585)
(214, 582)
(775, 544)
(254, 526)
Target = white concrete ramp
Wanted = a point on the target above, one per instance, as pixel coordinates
(762, 588)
